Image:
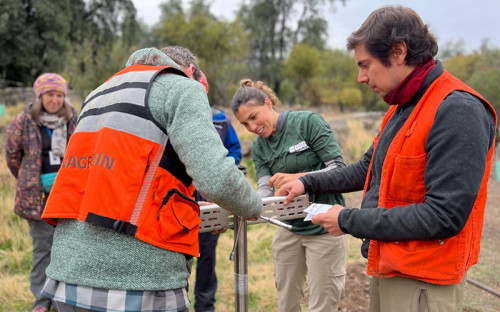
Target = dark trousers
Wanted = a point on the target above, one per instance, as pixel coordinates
(205, 285)
(42, 234)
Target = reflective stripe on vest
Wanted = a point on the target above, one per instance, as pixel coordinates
(402, 183)
(121, 172)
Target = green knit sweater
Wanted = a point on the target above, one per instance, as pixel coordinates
(84, 254)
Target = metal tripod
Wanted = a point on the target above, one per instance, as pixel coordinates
(273, 210)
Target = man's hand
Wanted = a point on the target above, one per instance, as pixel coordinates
(330, 220)
(279, 179)
(291, 190)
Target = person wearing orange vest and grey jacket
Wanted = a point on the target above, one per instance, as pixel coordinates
(126, 222)
(425, 175)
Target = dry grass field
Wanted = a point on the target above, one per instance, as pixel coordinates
(15, 247)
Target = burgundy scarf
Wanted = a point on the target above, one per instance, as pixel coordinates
(410, 85)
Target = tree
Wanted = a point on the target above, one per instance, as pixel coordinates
(340, 72)
(105, 33)
(349, 97)
(220, 46)
(463, 66)
(99, 64)
(452, 48)
(171, 29)
(33, 36)
(38, 36)
(314, 32)
(304, 64)
(274, 28)
(487, 83)
(480, 70)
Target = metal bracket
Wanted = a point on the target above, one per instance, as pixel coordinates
(213, 217)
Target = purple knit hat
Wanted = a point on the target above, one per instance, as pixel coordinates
(49, 82)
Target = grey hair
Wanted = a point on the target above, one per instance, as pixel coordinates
(184, 58)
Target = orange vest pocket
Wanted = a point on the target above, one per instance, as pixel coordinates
(177, 219)
(407, 180)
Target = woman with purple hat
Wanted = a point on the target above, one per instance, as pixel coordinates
(36, 142)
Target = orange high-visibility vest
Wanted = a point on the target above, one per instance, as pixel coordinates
(120, 170)
(439, 261)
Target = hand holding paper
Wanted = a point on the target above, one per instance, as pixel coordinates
(329, 219)
(314, 209)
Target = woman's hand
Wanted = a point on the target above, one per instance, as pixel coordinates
(279, 179)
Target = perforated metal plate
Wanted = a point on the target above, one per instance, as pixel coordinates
(212, 216)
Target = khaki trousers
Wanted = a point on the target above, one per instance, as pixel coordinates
(398, 294)
(321, 257)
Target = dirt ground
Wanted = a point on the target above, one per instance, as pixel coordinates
(357, 287)
(358, 282)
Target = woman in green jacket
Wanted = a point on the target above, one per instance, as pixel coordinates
(292, 144)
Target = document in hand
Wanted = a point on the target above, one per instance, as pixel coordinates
(314, 209)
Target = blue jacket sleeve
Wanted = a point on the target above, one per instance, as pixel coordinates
(232, 143)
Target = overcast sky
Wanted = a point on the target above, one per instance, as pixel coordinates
(449, 20)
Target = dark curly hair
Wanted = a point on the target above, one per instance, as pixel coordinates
(393, 24)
